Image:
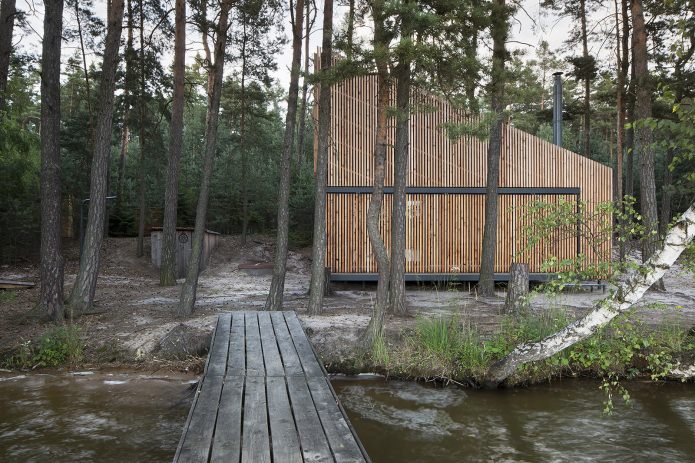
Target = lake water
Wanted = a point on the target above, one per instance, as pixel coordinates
(136, 418)
(402, 421)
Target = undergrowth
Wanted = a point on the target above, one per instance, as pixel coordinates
(59, 345)
(445, 347)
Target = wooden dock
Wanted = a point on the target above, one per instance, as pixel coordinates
(265, 397)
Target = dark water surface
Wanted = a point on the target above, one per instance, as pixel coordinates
(134, 418)
(408, 422)
(94, 418)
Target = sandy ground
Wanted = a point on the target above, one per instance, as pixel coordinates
(135, 313)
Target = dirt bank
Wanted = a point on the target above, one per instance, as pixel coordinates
(135, 325)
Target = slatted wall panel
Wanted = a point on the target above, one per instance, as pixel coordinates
(448, 227)
(443, 233)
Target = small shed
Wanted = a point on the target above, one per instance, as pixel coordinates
(184, 239)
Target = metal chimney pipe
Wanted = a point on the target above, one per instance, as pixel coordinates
(557, 109)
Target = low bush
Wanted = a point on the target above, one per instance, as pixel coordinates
(59, 345)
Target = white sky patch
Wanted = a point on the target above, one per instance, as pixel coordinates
(530, 26)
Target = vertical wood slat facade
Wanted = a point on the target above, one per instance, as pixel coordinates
(446, 181)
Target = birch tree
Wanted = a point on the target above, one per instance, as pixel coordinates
(625, 296)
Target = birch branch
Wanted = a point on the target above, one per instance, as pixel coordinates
(627, 294)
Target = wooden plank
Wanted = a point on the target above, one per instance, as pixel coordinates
(256, 440)
(254, 351)
(283, 432)
(315, 446)
(271, 354)
(226, 444)
(198, 434)
(340, 438)
(16, 284)
(310, 363)
(217, 359)
(236, 361)
(290, 359)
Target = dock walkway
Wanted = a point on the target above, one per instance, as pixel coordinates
(265, 397)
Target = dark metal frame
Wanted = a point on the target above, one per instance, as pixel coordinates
(457, 190)
(439, 277)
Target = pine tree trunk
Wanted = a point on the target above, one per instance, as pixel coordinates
(7, 15)
(51, 294)
(374, 331)
(630, 134)
(620, 122)
(301, 133)
(277, 286)
(666, 194)
(629, 292)
(318, 270)
(586, 133)
(82, 294)
(167, 272)
(643, 134)
(517, 289)
(123, 154)
(140, 246)
(88, 87)
(190, 286)
(500, 30)
(242, 146)
(397, 302)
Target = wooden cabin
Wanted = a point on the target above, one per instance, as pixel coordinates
(446, 191)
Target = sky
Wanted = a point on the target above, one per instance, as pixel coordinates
(531, 25)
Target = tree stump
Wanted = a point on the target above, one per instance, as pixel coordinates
(518, 288)
(327, 291)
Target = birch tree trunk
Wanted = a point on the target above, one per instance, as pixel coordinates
(500, 31)
(627, 294)
(167, 272)
(51, 294)
(375, 328)
(318, 269)
(190, 286)
(277, 286)
(7, 14)
(82, 294)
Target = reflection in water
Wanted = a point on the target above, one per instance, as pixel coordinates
(100, 418)
(401, 421)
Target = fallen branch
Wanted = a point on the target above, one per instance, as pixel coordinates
(627, 294)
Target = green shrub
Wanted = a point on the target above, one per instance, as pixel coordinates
(60, 345)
